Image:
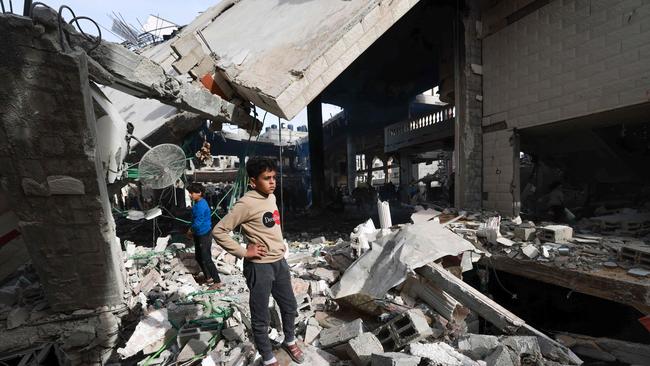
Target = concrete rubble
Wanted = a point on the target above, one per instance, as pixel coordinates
(418, 314)
(410, 318)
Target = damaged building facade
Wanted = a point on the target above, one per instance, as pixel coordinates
(483, 108)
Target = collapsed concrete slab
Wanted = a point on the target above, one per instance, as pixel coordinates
(394, 255)
(281, 55)
(495, 313)
(114, 65)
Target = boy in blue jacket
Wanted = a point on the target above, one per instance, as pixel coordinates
(200, 230)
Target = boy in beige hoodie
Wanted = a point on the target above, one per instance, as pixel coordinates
(266, 270)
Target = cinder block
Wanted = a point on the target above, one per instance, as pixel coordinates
(338, 335)
(555, 233)
(361, 348)
(203, 331)
(407, 327)
(525, 233)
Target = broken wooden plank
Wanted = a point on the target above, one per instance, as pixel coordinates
(609, 284)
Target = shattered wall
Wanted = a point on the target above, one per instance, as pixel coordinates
(542, 65)
(48, 163)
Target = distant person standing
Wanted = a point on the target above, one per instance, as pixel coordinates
(200, 231)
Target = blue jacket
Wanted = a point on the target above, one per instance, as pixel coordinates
(201, 222)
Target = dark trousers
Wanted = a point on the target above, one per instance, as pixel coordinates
(203, 255)
(263, 280)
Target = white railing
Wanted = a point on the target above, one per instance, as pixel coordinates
(404, 127)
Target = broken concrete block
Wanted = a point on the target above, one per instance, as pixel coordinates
(304, 304)
(361, 348)
(234, 334)
(405, 328)
(328, 275)
(318, 288)
(338, 335)
(149, 281)
(500, 357)
(179, 314)
(151, 329)
(319, 240)
(477, 346)
(300, 286)
(312, 330)
(64, 185)
(394, 359)
(525, 233)
(555, 233)
(17, 317)
(204, 331)
(440, 354)
(193, 348)
(530, 251)
(523, 345)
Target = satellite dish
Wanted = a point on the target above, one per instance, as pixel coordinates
(162, 166)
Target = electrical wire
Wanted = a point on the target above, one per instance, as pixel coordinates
(512, 294)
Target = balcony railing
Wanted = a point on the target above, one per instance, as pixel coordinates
(417, 130)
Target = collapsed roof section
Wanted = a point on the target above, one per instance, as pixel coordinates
(281, 54)
(113, 65)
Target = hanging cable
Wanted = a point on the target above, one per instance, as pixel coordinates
(281, 176)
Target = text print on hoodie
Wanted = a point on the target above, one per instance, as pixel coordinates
(259, 219)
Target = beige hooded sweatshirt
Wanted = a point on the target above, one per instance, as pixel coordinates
(259, 219)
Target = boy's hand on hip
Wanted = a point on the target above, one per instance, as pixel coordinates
(255, 251)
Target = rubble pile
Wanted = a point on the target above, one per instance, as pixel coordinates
(83, 337)
(583, 247)
(359, 298)
(391, 296)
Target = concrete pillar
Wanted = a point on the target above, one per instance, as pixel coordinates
(369, 169)
(50, 165)
(316, 160)
(352, 162)
(469, 111)
(501, 188)
(386, 177)
(405, 170)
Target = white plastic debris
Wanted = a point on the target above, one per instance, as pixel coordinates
(385, 220)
